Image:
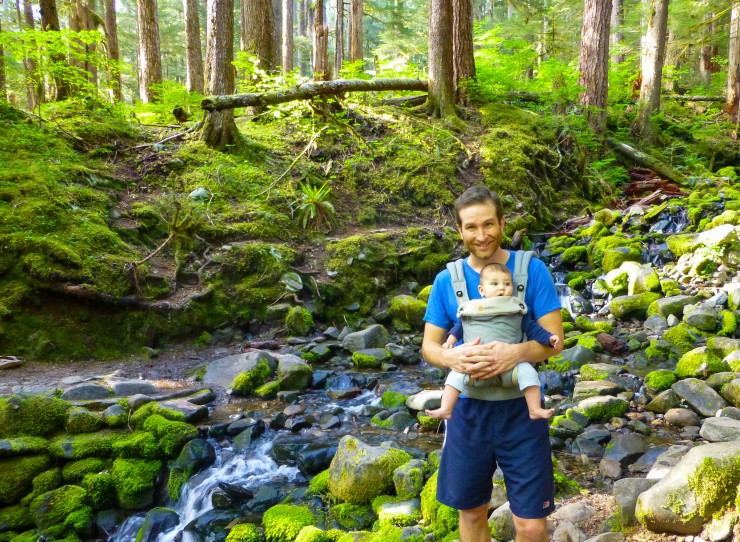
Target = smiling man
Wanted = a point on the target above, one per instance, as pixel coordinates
(481, 434)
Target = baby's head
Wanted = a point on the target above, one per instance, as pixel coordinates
(495, 280)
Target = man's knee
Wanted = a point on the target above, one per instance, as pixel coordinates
(474, 515)
(531, 530)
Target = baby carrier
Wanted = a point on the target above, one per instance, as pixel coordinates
(495, 318)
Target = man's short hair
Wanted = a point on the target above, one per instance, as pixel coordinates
(475, 195)
(491, 267)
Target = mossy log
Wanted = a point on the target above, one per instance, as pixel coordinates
(648, 161)
(310, 90)
(681, 98)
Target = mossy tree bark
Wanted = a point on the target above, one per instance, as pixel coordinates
(150, 58)
(287, 45)
(617, 30)
(194, 53)
(277, 32)
(652, 68)
(672, 61)
(733, 66)
(355, 30)
(594, 62)
(320, 44)
(258, 32)
(111, 31)
(339, 38)
(92, 49)
(302, 32)
(3, 80)
(462, 47)
(709, 50)
(219, 129)
(50, 23)
(441, 100)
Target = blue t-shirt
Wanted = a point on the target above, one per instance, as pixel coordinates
(541, 296)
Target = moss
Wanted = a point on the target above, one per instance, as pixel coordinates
(87, 445)
(574, 255)
(728, 325)
(590, 342)
(134, 481)
(171, 435)
(387, 517)
(15, 518)
(268, 391)
(565, 485)
(714, 484)
(633, 305)
(607, 217)
(137, 445)
(699, 363)
(353, 517)
(591, 372)
(429, 503)
(299, 321)
(81, 420)
(23, 446)
(44, 482)
(566, 315)
(669, 287)
(606, 411)
(100, 490)
(392, 399)
(558, 363)
(244, 532)
(80, 521)
(245, 383)
(681, 337)
(283, 522)
(33, 416)
(424, 293)
(72, 473)
(657, 381)
(319, 484)
(599, 248)
(408, 310)
(311, 534)
(427, 422)
(54, 507)
(18, 475)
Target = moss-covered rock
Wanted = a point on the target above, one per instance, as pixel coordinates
(353, 517)
(73, 473)
(657, 381)
(722, 346)
(358, 473)
(171, 435)
(427, 422)
(33, 416)
(134, 481)
(268, 391)
(632, 305)
(603, 408)
(598, 371)
(283, 522)
(12, 447)
(598, 249)
(299, 321)
(244, 532)
(18, 474)
(101, 493)
(370, 358)
(671, 305)
(319, 484)
(44, 482)
(408, 312)
(81, 420)
(246, 382)
(98, 444)
(15, 518)
(699, 363)
(408, 479)
(139, 417)
(312, 534)
(137, 445)
(55, 506)
(424, 293)
(293, 373)
(728, 324)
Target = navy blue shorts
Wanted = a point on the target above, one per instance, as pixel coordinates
(481, 434)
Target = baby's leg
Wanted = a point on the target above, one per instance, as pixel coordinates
(534, 404)
(449, 398)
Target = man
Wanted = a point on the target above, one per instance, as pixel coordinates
(482, 434)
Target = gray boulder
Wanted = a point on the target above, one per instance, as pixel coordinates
(603, 408)
(699, 396)
(293, 373)
(721, 430)
(626, 491)
(673, 305)
(686, 497)
(375, 336)
(124, 388)
(731, 392)
(666, 461)
(427, 399)
(193, 413)
(86, 391)
(701, 317)
(682, 417)
(626, 448)
(501, 523)
(222, 372)
(664, 401)
(592, 388)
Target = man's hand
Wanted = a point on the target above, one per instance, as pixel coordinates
(497, 358)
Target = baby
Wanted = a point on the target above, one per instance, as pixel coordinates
(496, 281)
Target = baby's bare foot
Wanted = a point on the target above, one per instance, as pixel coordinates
(541, 413)
(439, 413)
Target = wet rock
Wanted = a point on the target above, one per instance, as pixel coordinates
(423, 400)
(193, 413)
(682, 417)
(316, 457)
(402, 354)
(626, 491)
(654, 506)
(267, 495)
(370, 358)
(699, 396)
(235, 494)
(288, 397)
(552, 381)
(202, 397)
(342, 394)
(329, 421)
(375, 336)
(579, 355)
(664, 401)
(298, 423)
(626, 448)
(212, 524)
(397, 420)
(320, 379)
(124, 388)
(720, 430)
(598, 371)
(237, 427)
(593, 388)
(14, 447)
(86, 391)
(222, 372)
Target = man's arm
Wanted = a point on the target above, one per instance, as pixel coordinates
(458, 359)
(505, 356)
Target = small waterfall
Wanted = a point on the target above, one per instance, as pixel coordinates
(249, 470)
(563, 292)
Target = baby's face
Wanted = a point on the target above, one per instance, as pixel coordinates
(496, 283)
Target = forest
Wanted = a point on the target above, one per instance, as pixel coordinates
(220, 222)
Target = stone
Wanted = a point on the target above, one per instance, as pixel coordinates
(664, 401)
(701, 317)
(202, 397)
(625, 307)
(566, 531)
(579, 355)
(375, 336)
(626, 448)
(157, 521)
(682, 417)
(656, 322)
(222, 372)
(135, 402)
(498, 496)
(402, 354)
(626, 491)
(427, 399)
(610, 468)
(293, 373)
(720, 529)
(699, 396)
(81, 420)
(729, 412)
(703, 466)
(501, 523)
(720, 430)
(245, 438)
(316, 457)
(401, 512)
(193, 413)
(592, 388)
(115, 416)
(86, 391)
(124, 388)
(673, 305)
(607, 537)
(576, 512)
(666, 461)
(13, 447)
(370, 358)
(602, 408)
(731, 392)
(9, 362)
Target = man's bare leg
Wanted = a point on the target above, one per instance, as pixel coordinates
(474, 525)
(527, 530)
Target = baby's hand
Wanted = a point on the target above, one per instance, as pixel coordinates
(555, 341)
(450, 342)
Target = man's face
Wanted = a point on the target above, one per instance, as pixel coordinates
(481, 229)
(495, 283)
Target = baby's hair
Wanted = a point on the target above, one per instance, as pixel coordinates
(491, 267)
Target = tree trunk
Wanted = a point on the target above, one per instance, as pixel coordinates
(441, 101)
(259, 31)
(648, 161)
(617, 24)
(339, 39)
(542, 41)
(320, 45)
(462, 48)
(91, 64)
(671, 62)
(3, 80)
(355, 31)
(34, 84)
(277, 24)
(509, 9)
(593, 63)
(194, 54)
(652, 68)
(302, 32)
(708, 51)
(733, 65)
(150, 59)
(219, 130)
(310, 90)
(111, 30)
(287, 45)
(50, 23)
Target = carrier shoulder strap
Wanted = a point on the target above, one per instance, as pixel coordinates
(521, 271)
(459, 286)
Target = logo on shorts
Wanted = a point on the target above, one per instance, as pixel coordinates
(546, 504)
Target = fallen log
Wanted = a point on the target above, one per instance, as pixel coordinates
(681, 98)
(404, 101)
(648, 161)
(310, 90)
